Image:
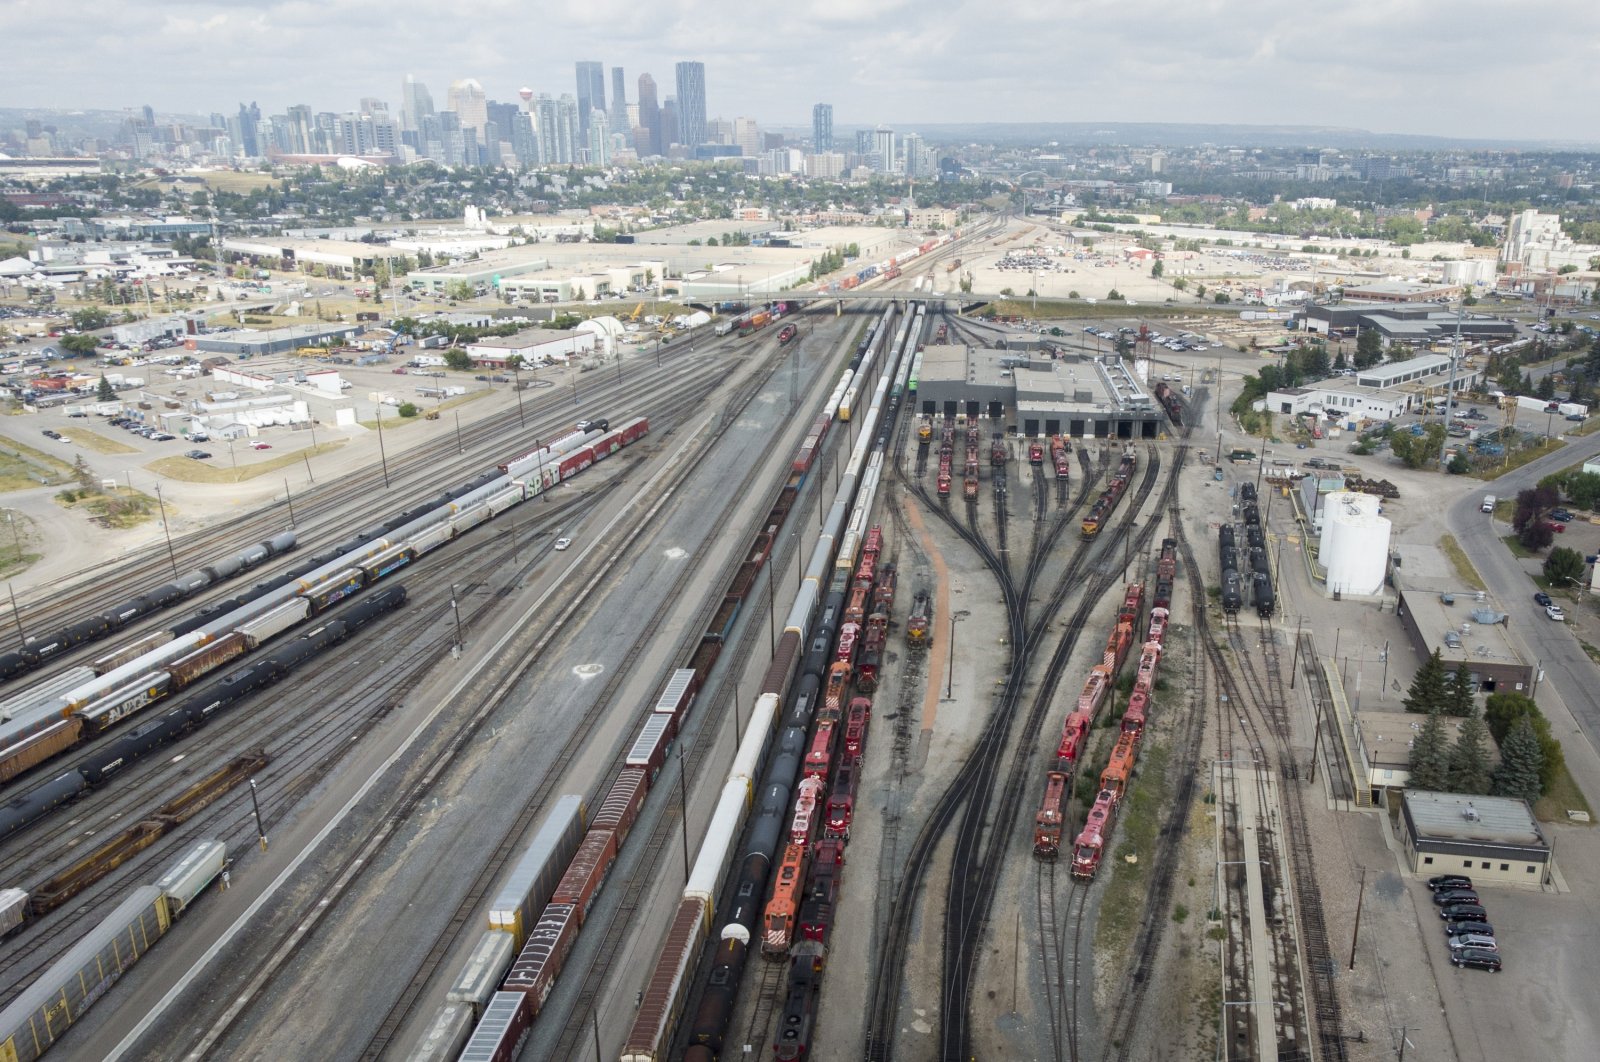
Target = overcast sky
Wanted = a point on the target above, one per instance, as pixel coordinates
(1512, 69)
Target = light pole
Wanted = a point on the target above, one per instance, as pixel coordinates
(383, 456)
(950, 685)
(455, 609)
(261, 831)
(516, 382)
(165, 526)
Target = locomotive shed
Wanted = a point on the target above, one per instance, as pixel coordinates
(1029, 392)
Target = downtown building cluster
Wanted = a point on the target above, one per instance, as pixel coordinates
(597, 125)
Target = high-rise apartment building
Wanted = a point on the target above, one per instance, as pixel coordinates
(649, 119)
(822, 128)
(691, 104)
(599, 139)
(248, 141)
(883, 147)
(670, 133)
(591, 92)
(911, 155)
(747, 136)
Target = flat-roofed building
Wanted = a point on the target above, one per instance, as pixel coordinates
(1437, 612)
(1034, 394)
(536, 346)
(1489, 839)
(249, 344)
(1402, 291)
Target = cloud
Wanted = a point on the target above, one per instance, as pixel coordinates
(1467, 67)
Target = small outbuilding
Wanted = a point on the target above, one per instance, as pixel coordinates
(1490, 839)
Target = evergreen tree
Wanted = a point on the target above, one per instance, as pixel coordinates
(1430, 755)
(1520, 762)
(1428, 687)
(1469, 758)
(107, 393)
(1458, 694)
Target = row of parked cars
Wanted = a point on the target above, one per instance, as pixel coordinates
(1466, 923)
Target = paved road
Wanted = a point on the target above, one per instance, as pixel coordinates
(1568, 671)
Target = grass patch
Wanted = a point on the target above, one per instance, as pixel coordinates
(222, 181)
(1463, 564)
(1505, 509)
(22, 467)
(1517, 548)
(1564, 796)
(424, 407)
(1594, 654)
(1138, 827)
(192, 471)
(117, 509)
(100, 444)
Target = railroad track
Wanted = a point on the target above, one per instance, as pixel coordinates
(1062, 966)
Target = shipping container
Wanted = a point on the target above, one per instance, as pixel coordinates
(189, 876)
(208, 657)
(621, 804)
(535, 970)
(44, 1011)
(587, 871)
(499, 1034)
(650, 1038)
(448, 1034)
(649, 749)
(482, 972)
(535, 876)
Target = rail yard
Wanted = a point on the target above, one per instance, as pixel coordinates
(844, 721)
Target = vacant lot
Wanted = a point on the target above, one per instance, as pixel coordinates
(211, 471)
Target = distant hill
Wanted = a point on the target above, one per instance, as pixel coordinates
(1174, 134)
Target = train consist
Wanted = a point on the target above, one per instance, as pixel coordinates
(807, 655)
(1103, 506)
(1089, 845)
(889, 268)
(531, 927)
(1171, 400)
(35, 651)
(54, 717)
(193, 711)
(1251, 583)
(58, 998)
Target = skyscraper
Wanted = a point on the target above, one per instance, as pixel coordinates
(822, 127)
(691, 104)
(669, 124)
(883, 147)
(599, 139)
(591, 92)
(249, 119)
(618, 113)
(649, 118)
(415, 103)
(467, 99)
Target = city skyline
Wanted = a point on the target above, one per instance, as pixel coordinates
(1399, 69)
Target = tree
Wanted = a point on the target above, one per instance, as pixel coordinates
(1505, 711)
(106, 393)
(1536, 536)
(1369, 348)
(1114, 295)
(1469, 758)
(79, 344)
(83, 474)
(1427, 692)
(1584, 490)
(1339, 362)
(1200, 291)
(1430, 756)
(407, 409)
(1458, 693)
(1222, 298)
(90, 318)
(458, 359)
(1415, 451)
(459, 290)
(1459, 465)
(1158, 269)
(1520, 764)
(1564, 567)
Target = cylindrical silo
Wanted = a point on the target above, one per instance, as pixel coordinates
(1355, 543)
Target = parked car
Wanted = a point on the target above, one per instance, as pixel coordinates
(1472, 940)
(1462, 912)
(1560, 514)
(260, 446)
(1455, 929)
(1445, 897)
(1477, 958)
(198, 455)
(1556, 528)
(1541, 599)
(49, 434)
(1554, 612)
(563, 543)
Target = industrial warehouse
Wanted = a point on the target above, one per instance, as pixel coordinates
(1076, 395)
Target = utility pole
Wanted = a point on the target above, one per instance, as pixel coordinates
(383, 455)
(167, 527)
(1450, 387)
(1361, 895)
(255, 805)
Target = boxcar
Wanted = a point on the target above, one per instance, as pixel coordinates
(535, 969)
(537, 872)
(499, 1034)
(480, 975)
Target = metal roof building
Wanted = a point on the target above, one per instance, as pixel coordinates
(1487, 838)
(1078, 396)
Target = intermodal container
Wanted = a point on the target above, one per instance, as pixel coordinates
(481, 973)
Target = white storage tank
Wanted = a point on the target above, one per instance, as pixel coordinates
(1355, 543)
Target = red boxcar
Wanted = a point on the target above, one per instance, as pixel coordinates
(535, 969)
(650, 1036)
(587, 871)
(621, 803)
